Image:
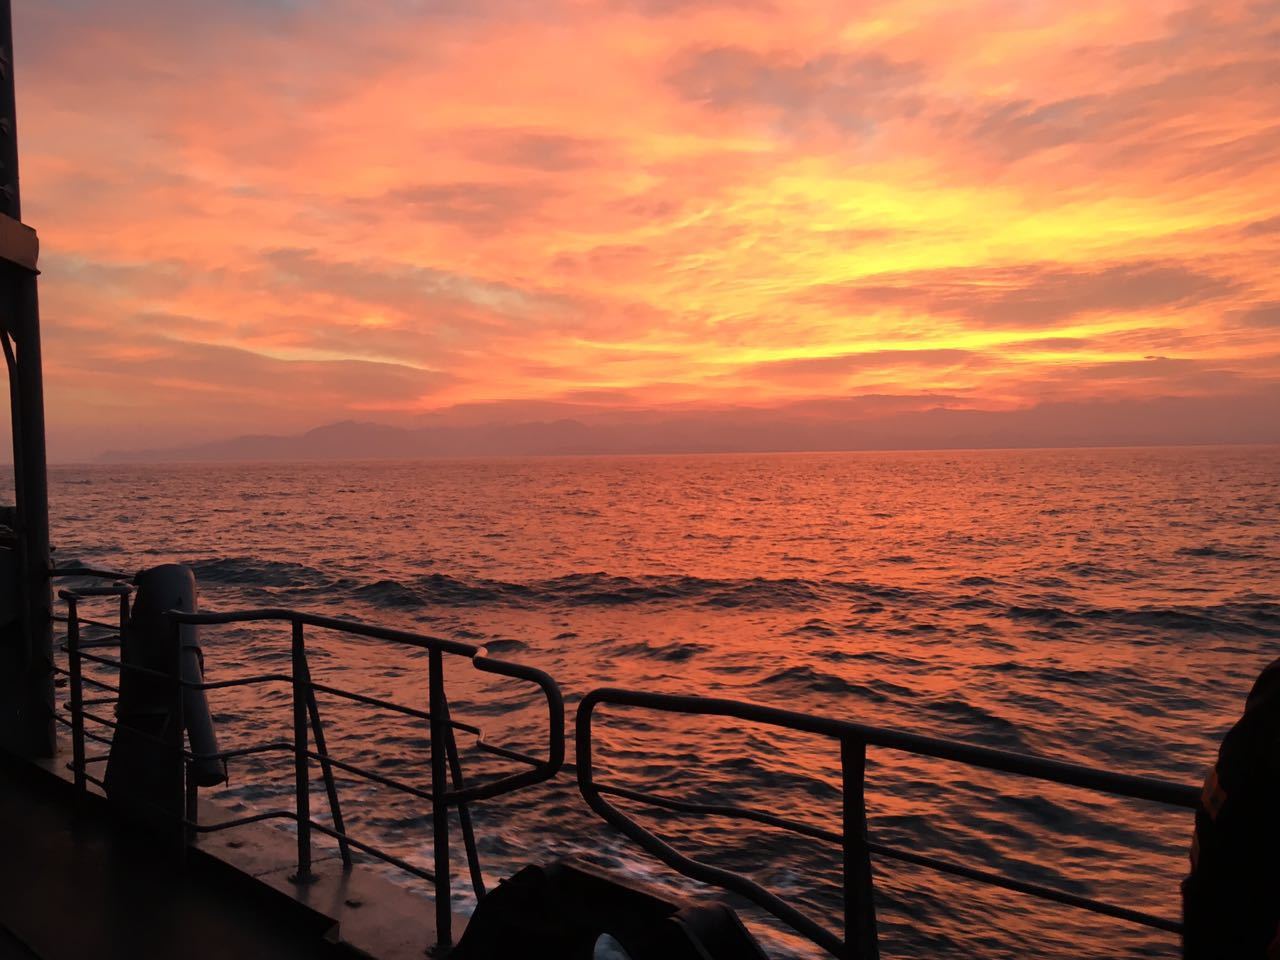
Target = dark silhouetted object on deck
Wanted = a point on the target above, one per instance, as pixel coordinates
(1231, 900)
(572, 911)
(147, 742)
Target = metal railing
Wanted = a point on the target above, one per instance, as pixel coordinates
(447, 788)
(860, 939)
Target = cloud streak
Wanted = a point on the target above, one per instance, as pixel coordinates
(273, 215)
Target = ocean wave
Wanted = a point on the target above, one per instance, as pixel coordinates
(815, 627)
(1244, 617)
(979, 581)
(596, 589)
(255, 572)
(388, 593)
(980, 724)
(674, 652)
(1216, 552)
(1093, 570)
(804, 679)
(1259, 619)
(1248, 618)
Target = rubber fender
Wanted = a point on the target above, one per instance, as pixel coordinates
(137, 760)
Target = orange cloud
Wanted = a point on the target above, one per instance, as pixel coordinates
(270, 215)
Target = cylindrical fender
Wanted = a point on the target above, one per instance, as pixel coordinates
(145, 704)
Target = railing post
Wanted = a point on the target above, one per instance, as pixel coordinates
(861, 941)
(301, 764)
(439, 808)
(326, 769)
(464, 812)
(75, 693)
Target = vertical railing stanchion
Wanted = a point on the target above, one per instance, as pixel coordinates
(75, 694)
(161, 779)
(439, 806)
(301, 764)
(464, 811)
(861, 941)
(326, 768)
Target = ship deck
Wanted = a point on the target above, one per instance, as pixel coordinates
(82, 884)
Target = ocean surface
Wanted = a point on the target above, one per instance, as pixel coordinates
(1107, 607)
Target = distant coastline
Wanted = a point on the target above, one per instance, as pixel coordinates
(1170, 421)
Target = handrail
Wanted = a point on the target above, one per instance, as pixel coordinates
(342, 624)
(80, 570)
(447, 787)
(479, 658)
(860, 939)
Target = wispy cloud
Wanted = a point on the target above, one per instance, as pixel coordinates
(272, 214)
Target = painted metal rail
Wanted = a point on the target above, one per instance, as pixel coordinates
(860, 940)
(447, 787)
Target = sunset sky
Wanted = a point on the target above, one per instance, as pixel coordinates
(267, 215)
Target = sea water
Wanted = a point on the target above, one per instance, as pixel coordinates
(1105, 607)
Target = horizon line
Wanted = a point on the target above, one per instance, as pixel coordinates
(108, 462)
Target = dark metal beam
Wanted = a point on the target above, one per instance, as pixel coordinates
(28, 689)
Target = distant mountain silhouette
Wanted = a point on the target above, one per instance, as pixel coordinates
(862, 423)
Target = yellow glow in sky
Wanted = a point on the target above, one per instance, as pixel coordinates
(310, 210)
